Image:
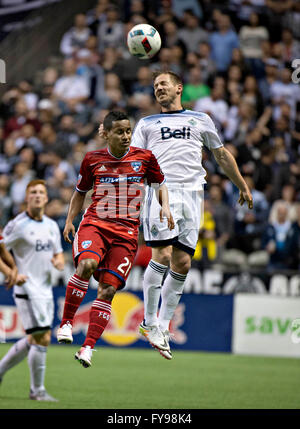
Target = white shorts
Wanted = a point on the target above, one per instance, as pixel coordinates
(36, 313)
(187, 210)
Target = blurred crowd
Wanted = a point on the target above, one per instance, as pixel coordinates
(235, 58)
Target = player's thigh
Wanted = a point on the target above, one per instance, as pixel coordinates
(153, 229)
(36, 314)
(162, 254)
(88, 243)
(119, 260)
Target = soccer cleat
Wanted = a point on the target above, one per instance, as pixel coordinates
(84, 356)
(41, 395)
(64, 334)
(167, 354)
(154, 336)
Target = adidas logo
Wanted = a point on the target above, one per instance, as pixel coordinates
(102, 168)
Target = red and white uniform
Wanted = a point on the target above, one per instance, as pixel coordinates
(108, 231)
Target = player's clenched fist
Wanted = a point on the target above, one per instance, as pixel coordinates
(69, 228)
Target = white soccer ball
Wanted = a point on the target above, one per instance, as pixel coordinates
(143, 41)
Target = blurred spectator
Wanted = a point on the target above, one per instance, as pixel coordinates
(214, 105)
(290, 48)
(20, 117)
(179, 8)
(194, 88)
(251, 38)
(144, 83)
(28, 94)
(27, 138)
(170, 33)
(165, 62)
(293, 239)
(75, 38)
(288, 197)
(284, 90)
(67, 135)
(5, 200)
(22, 175)
(222, 43)
(274, 239)
(191, 34)
(70, 90)
(252, 95)
(206, 251)
(271, 73)
(250, 224)
(276, 11)
(234, 79)
(221, 214)
(110, 30)
(206, 63)
(92, 72)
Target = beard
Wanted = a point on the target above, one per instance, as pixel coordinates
(167, 102)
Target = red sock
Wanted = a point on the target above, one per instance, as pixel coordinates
(76, 290)
(99, 318)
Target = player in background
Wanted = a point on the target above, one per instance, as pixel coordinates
(105, 243)
(176, 137)
(34, 240)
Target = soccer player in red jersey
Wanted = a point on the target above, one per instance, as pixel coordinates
(105, 244)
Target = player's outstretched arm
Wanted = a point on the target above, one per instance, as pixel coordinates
(162, 195)
(227, 162)
(75, 208)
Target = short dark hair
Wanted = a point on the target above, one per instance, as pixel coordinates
(113, 116)
(176, 79)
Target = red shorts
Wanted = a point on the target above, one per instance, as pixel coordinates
(112, 245)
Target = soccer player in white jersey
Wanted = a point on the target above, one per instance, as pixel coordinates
(34, 240)
(176, 137)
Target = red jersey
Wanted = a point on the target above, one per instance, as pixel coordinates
(118, 184)
(1, 238)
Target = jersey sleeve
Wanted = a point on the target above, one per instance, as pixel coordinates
(11, 234)
(154, 175)
(138, 138)
(85, 178)
(1, 239)
(57, 243)
(210, 135)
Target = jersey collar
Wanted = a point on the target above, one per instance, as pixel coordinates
(116, 156)
(172, 111)
(36, 220)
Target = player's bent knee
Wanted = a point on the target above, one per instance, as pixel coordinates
(106, 292)
(181, 265)
(86, 267)
(162, 255)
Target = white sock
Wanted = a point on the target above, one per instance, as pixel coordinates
(14, 355)
(37, 366)
(153, 278)
(170, 295)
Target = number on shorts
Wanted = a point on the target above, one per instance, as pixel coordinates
(125, 264)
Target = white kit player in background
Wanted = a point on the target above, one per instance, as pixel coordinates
(34, 240)
(176, 137)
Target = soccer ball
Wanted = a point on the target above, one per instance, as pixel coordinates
(143, 41)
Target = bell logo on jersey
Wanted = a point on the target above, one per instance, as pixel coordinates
(40, 246)
(183, 133)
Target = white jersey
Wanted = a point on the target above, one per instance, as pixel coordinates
(177, 139)
(33, 244)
